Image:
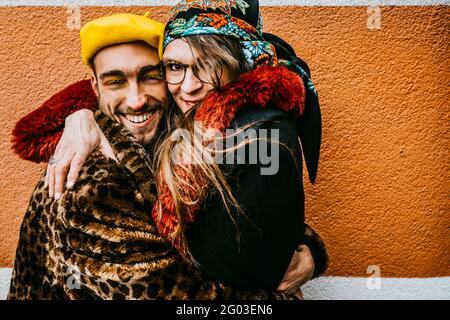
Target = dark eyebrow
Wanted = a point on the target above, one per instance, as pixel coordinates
(175, 62)
(148, 68)
(112, 73)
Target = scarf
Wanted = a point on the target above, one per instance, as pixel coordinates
(236, 19)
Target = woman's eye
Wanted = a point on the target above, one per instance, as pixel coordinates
(175, 66)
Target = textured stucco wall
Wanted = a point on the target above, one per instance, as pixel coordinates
(381, 196)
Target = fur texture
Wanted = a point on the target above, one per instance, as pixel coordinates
(36, 135)
(277, 87)
(98, 241)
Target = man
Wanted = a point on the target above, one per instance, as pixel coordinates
(96, 240)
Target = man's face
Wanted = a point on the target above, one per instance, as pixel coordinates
(129, 86)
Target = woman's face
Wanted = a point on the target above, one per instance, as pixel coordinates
(191, 91)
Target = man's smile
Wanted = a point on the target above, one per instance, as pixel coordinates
(140, 120)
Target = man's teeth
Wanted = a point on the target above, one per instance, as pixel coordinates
(140, 118)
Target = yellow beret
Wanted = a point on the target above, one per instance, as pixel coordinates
(119, 28)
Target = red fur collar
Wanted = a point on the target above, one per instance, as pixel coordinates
(275, 86)
(266, 86)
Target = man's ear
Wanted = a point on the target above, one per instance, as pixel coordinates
(94, 84)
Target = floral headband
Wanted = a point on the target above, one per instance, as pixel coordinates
(257, 51)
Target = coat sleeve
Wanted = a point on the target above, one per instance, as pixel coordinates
(36, 135)
(255, 251)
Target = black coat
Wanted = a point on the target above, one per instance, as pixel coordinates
(273, 224)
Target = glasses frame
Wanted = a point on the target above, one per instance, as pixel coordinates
(185, 67)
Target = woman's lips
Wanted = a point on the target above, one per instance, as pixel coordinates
(190, 103)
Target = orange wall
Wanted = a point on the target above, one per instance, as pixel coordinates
(382, 194)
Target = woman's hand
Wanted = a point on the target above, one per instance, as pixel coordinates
(80, 137)
(300, 270)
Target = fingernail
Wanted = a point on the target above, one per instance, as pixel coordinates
(57, 196)
(50, 194)
(69, 184)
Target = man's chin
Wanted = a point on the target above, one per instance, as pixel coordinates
(145, 140)
(143, 135)
(143, 132)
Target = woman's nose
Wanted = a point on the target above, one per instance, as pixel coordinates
(191, 83)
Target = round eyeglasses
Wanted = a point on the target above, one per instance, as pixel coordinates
(175, 72)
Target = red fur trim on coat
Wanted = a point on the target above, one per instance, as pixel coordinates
(36, 135)
(266, 86)
(276, 87)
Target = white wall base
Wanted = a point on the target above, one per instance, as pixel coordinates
(343, 288)
(352, 288)
(5, 277)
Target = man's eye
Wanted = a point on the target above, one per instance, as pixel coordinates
(115, 82)
(152, 76)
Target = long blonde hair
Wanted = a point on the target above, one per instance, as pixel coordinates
(216, 54)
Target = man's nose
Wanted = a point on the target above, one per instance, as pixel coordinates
(135, 97)
(191, 83)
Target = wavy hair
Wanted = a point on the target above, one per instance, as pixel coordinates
(216, 54)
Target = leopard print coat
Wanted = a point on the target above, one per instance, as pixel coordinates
(99, 242)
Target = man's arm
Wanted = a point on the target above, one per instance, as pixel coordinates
(39, 135)
(36, 135)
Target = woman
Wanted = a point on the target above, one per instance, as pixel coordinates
(234, 203)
